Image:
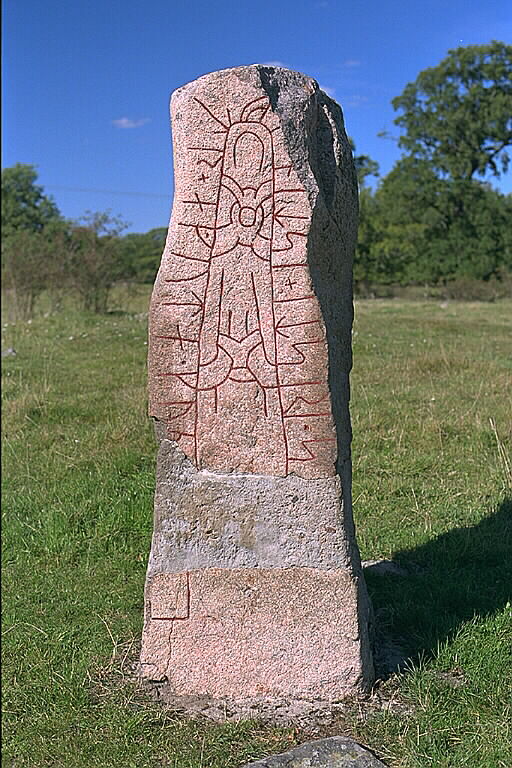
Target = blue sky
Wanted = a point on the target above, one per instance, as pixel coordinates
(87, 82)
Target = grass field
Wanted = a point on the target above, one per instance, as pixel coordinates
(432, 413)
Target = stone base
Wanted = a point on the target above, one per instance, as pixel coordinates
(254, 588)
(253, 632)
(308, 715)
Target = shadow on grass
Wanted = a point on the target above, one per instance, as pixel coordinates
(426, 593)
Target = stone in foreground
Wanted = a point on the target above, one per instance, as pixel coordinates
(254, 585)
(335, 752)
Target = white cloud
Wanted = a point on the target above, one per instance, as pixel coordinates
(355, 100)
(329, 91)
(351, 63)
(127, 122)
(272, 64)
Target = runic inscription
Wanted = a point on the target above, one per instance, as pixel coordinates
(238, 359)
(254, 593)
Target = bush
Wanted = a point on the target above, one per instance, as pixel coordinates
(470, 289)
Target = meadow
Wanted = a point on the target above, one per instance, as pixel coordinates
(431, 413)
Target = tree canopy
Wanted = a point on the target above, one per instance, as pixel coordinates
(458, 116)
(364, 164)
(141, 253)
(431, 219)
(24, 205)
(418, 228)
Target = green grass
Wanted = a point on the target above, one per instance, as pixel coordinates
(431, 410)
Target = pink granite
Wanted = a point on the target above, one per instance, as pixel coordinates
(250, 632)
(238, 358)
(254, 587)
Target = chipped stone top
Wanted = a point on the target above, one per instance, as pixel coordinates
(258, 250)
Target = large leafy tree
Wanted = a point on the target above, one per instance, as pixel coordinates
(432, 230)
(365, 166)
(141, 254)
(402, 205)
(24, 204)
(458, 116)
(364, 267)
(27, 218)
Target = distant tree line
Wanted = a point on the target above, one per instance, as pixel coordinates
(44, 253)
(431, 221)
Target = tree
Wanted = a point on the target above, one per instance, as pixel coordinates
(364, 165)
(405, 219)
(432, 230)
(22, 277)
(94, 262)
(141, 254)
(366, 271)
(37, 262)
(29, 222)
(24, 206)
(363, 263)
(458, 116)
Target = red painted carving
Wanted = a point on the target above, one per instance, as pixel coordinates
(249, 328)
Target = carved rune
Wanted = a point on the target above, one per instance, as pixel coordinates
(237, 338)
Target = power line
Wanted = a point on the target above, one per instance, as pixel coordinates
(107, 191)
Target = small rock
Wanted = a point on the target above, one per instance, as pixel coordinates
(10, 352)
(335, 752)
(384, 567)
